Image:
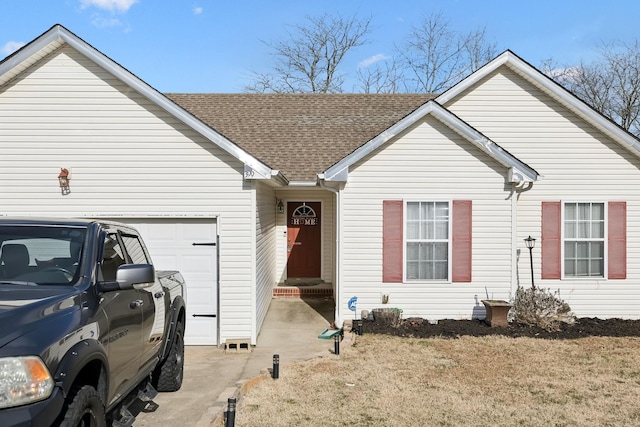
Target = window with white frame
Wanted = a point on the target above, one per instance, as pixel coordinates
(584, 234)
(427, 241)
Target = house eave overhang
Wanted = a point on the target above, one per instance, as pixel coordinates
(59, 35)
(303, 184)
(523, 172)
(552, 88)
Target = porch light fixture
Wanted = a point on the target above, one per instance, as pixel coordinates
(531, 243)
(63, 180)
(280, 207)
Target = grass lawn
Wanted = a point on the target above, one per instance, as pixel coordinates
(384, 380)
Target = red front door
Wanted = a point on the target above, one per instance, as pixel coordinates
(303, 240)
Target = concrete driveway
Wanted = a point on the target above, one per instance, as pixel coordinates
(212, 375)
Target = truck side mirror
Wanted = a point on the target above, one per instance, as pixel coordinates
(129, 275)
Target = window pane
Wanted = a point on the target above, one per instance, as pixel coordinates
(570, 250)
(570, 230)
(597, 250)
(441, 270)
(413, 230)
(597, 212)
(583, 230)
(426, 251)
(570, 211)
(413, 211)
(597, 268)
(412, 270)
(425, 271)
(597, 230)
(569, 267)
(582, 249)
(428, 211)
(441, 251)
(584, 211)
(442, 210)
(412, 252)
(582, 267)
(442, 230)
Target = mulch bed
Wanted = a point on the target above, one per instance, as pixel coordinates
(583, 327)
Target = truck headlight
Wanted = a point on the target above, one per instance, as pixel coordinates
(23, 380)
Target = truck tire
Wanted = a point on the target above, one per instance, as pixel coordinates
(85, 409)
(169, 374)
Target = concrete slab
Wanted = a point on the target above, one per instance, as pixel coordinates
(211, 375)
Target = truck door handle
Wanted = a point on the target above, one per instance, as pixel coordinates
(136, 304)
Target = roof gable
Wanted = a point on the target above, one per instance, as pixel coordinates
(519, 172)
(58, 36)
(553, 89)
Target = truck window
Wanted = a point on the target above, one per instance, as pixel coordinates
(41, 255)
(134, 249)
(113, 258)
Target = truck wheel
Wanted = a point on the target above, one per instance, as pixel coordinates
(169, 374)
(85, 409)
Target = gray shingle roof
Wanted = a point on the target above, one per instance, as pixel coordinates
(300, 134)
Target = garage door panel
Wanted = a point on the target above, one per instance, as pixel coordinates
(170, 242)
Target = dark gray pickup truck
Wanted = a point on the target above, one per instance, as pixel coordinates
(87, 325)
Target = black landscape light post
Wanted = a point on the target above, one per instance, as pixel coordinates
(531, 243)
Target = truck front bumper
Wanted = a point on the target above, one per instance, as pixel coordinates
(37, 414)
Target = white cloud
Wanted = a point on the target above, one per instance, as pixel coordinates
(570, 73)
(110, 5)
(102, 22)
(372, 60)
(198, 10)
(10, 47)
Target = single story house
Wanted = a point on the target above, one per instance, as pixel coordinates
(415, 201)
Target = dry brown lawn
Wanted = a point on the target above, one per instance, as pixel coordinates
(390, 381)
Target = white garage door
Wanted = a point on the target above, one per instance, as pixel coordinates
(189, 246)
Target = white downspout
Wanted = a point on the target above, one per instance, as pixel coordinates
(514, 241)
(337, 264)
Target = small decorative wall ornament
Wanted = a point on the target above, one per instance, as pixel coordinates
(63, 180)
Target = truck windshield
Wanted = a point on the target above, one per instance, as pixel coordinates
(40, 254)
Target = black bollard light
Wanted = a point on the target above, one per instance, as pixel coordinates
(275, 372)
(230, 419)
(360, 331)
(336, 344)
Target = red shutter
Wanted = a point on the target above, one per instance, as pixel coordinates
(551, 240)
(617, 240)
(392, 224)
(461, 241)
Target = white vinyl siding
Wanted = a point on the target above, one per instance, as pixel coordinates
(576, 161)
(265, 253)
(127, 158)
(427, 162)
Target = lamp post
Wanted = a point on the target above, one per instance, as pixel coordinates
(531, 243)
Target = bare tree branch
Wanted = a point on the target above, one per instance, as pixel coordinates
(308, 58)
(610, 84)
(434, 57)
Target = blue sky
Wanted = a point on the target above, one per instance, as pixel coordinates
(211, 45)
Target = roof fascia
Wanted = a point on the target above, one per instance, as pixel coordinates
(578, 106)
(254, 169)
(340, 171)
